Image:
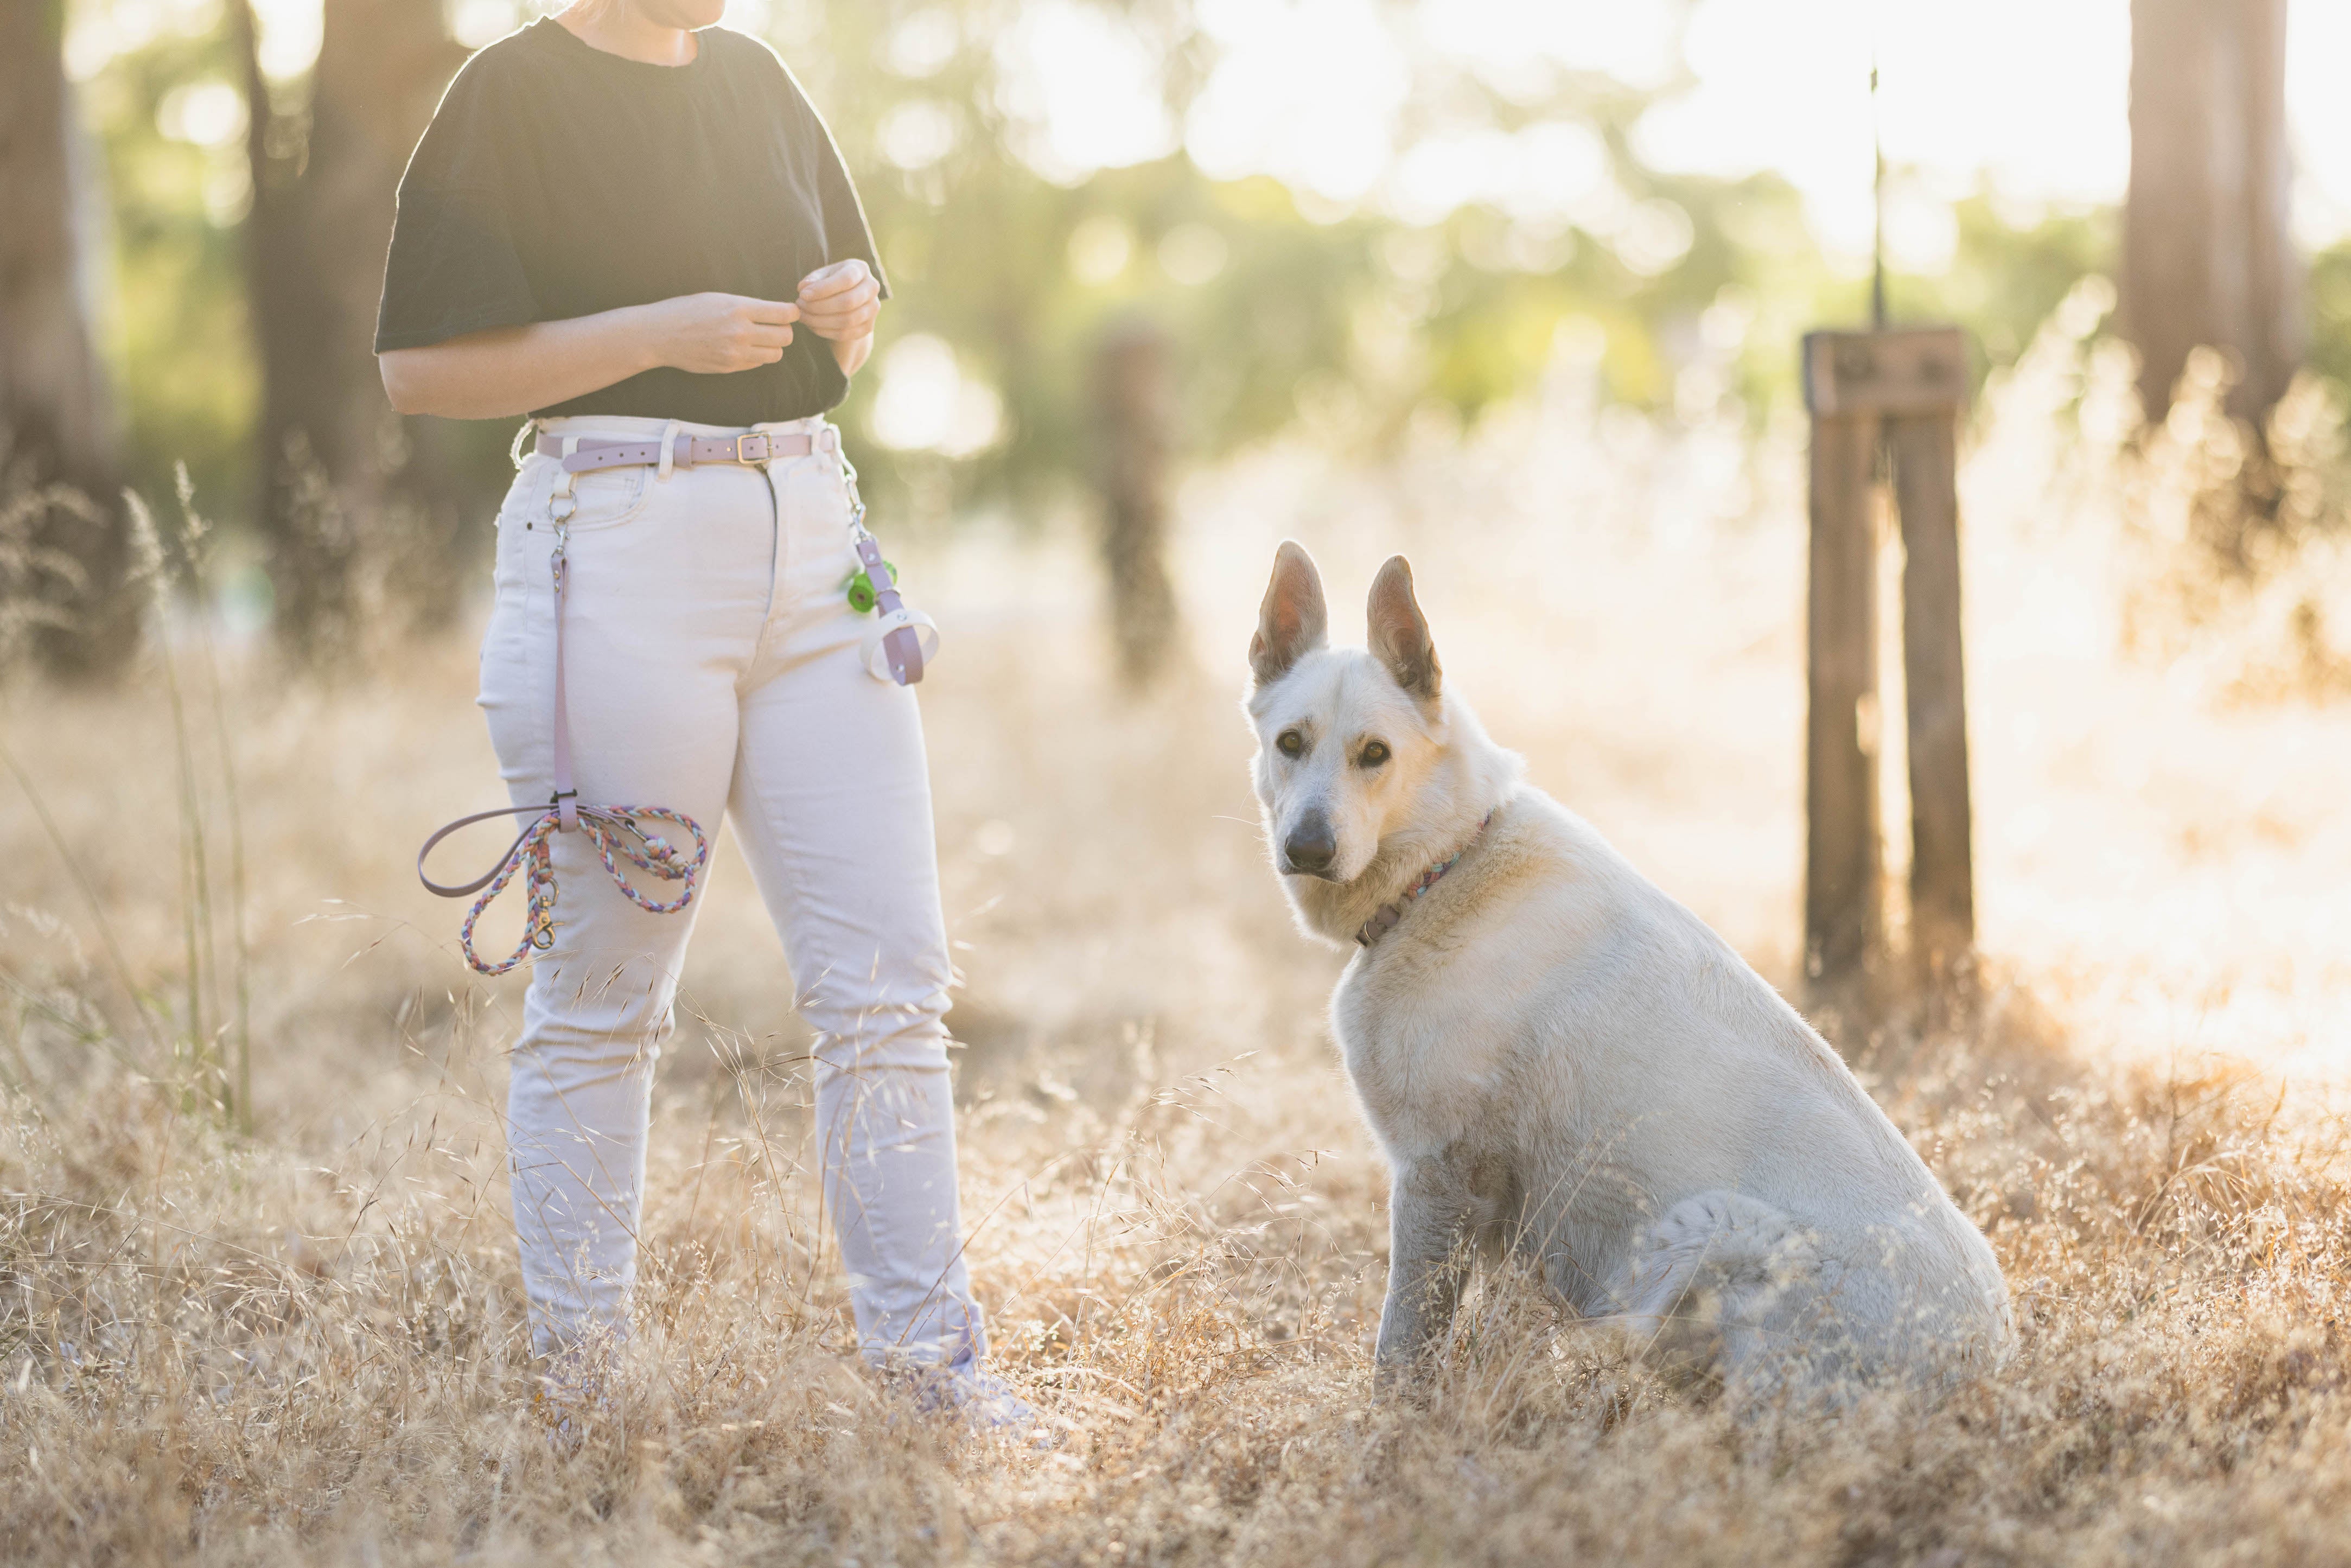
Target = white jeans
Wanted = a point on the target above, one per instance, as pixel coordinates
(713, 668)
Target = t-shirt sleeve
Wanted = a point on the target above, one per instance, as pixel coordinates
(453, 267)
(846, 232)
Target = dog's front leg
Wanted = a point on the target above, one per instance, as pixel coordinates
(1430, 1202)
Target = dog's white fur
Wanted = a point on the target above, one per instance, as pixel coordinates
(1563, 1062)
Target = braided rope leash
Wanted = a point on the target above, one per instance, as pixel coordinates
(533, 853)
(609, 827)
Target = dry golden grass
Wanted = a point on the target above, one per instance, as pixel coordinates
(305, 1344)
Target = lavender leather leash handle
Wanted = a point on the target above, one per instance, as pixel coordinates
(483, 881)
(611, 828)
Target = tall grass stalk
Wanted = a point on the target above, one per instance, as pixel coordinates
(196, 531)
(207, 1075)
(194, 901)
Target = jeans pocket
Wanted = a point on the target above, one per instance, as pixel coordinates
(608, 497)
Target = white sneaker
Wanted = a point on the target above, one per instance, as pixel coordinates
(964, 1387)
(571, 1392)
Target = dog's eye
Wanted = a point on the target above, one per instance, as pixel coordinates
(1290, 743)
(1373, 755)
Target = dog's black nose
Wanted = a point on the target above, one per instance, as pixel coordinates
(1311, 846)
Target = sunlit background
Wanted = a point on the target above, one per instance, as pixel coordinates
(2024, 101)
(1525, 166)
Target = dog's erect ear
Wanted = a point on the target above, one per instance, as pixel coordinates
(1291, 622)
(1399, 633)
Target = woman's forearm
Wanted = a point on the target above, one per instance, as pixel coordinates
(851, 355)
(509, 370)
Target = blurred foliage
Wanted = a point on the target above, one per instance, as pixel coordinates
(186, 377)
(1274, 307)
(2330, 313)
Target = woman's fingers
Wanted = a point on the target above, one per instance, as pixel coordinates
(827, 281)
(775, 312)
(843, 302)
(856, 322)
(847, 315)
(847, 331)
(765, 337)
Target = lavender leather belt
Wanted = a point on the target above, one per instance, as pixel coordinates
(686, 451)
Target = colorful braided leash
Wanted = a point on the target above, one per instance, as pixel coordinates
(612, 827)
(534, 856)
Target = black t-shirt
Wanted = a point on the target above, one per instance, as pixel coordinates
(557, 180)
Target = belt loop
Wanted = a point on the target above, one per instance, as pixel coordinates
(563, 477)
(669, 450)
(514, 447)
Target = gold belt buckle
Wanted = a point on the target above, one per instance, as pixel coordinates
(766, 450)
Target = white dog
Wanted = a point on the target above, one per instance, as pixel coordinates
(1561, 1061)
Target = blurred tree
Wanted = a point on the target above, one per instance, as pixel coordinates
(169, 121)
(63, 564)
(1131, 390)
(333, 454)
(2208, 257)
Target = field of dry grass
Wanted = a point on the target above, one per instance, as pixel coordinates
(303, 1342)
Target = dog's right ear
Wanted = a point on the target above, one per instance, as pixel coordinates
(1290, 623)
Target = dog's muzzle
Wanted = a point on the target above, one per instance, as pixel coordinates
(1310, 848)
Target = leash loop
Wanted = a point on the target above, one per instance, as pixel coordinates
(611, 829)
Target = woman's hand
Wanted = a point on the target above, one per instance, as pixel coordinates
(718, 334)
(839, 303)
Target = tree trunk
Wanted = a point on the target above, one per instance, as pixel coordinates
(2206, 254)
(1131, 381)
(64, 538)
(324, 188)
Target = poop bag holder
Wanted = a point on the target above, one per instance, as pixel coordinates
(902, 640)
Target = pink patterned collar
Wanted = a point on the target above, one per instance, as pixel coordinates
(1384, 917)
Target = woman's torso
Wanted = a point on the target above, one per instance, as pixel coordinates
(558, 181)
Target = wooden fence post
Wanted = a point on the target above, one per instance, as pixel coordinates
(1911, 383)
(1934, 685)
(1842, 857)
